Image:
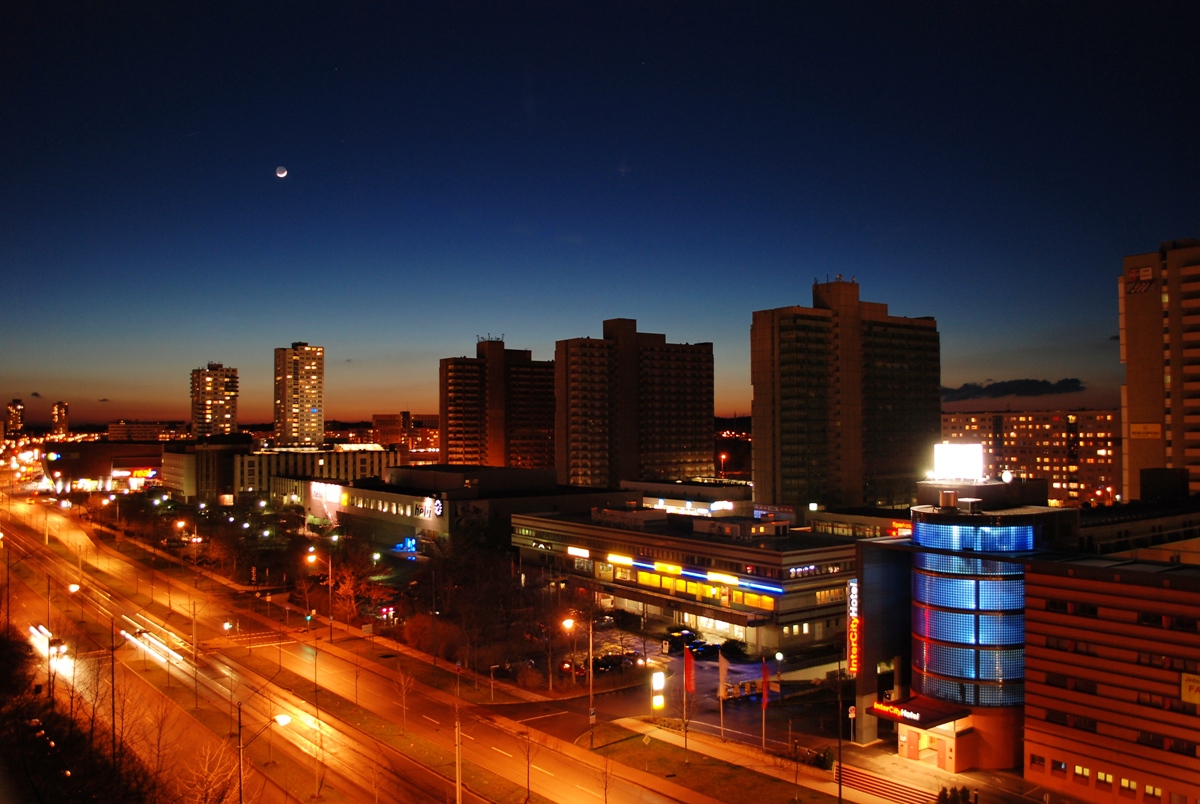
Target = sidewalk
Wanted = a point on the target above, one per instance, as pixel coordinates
(753, 759)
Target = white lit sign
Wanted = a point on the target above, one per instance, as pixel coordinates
(957, 462)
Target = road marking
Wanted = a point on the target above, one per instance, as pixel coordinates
(431, 720)
(588, 790)
(494, 748)
(539, 717)
(543, 770)
(464, 734)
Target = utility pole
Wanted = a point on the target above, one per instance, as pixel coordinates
(195, 667)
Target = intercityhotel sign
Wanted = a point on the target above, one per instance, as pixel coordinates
(853, 635)
(899, 712)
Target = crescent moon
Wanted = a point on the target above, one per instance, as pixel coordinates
(281, 171)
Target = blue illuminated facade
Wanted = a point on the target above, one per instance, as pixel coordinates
(968, 606)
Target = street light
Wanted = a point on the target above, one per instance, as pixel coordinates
(779, 672)
(723, 457)
(312, 559)
(281, 719)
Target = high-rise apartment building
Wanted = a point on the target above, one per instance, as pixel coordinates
(59, 424)
(16, 418)
(497, 408)
(414, 435)
(299, 395)
(1160, 347)
(1076, 451)
(214, 400)
(631, 406)
(846, 405)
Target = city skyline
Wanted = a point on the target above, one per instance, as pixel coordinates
(512, 173)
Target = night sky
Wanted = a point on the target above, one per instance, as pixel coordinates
(469, 169)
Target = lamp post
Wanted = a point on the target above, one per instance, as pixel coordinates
(723, 457)
(779, 672)
(569, 625)
(312, 559)
(73, 588)
(281, 719)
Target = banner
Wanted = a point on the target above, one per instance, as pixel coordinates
(689, 671)
(723, 672)
(766, 684)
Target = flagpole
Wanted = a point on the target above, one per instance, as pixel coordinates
(766, 682)
(722, 671)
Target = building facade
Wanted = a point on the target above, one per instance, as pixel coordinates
(253, 472)
(299, 395)
(60, 423)
(724, 577)
(497, 408)
(846, 402)
(1112, 681)
(1077, 451)
(631, 406)
(427, 508)
(414, 434)
(122, 430)
(214, 400)
(1159, 296)
(15, 421)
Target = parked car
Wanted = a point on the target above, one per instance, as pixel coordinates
(677, 639)
(611, 663)
(704, 650)
(635, 658)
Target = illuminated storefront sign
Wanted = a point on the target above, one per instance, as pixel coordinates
(327, 492)
(670, 569)
(852, 627)
(578, 552)
(721, 577)
(901, 528)
(624, 561)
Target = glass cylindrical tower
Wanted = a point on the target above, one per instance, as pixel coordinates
(968, 610)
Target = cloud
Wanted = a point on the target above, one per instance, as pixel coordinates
(105, 399)
(36, 395)
(995, 390)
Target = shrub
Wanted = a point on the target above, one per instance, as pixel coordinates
(733, 649)
(530, 677)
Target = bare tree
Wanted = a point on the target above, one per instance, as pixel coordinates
(606, 775)
(528, 751)
(158, 746)
(212, 777)
(404, 685)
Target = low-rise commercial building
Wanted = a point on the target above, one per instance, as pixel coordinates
(724, 577)
(426, 508)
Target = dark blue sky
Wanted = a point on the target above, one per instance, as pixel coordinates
(459, 170)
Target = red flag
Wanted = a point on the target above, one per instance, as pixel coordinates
(689, 671)
(723, 670)
(766, 684)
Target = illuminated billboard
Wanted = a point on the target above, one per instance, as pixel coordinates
(853, 633)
